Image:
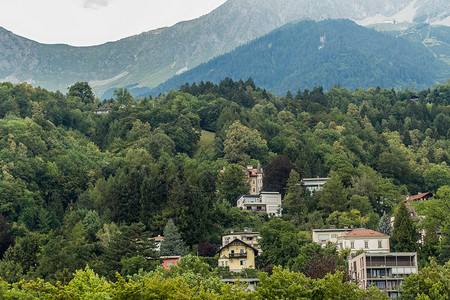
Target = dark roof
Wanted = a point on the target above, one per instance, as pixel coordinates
(241, 232)
(241, 242)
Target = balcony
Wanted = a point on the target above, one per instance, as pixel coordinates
(238, 255)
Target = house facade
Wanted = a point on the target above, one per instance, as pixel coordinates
(323, 236)
(237, 255)
(169, 261)
(248, 236)
(255, 179)
(264, 203)
(385, 271)
(367, 240)
(314, 184)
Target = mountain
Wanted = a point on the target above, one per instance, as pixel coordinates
(152, 57)
(327, 53)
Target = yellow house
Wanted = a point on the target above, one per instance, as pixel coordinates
(237, 255)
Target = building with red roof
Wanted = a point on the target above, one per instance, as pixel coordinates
(364, 239)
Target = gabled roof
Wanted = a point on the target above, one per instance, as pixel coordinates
(238, 241)
(364, 233)
(418, 196)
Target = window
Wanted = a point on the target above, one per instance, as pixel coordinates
(249, 238)
(232, 251)
(323, 237)
(333, 236)
(366, 244)
(242, 262)
(352, 245)
(170, 264)
(380, 244)
(241, 250)
(226, 263)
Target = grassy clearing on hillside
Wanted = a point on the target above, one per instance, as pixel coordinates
(206, 140)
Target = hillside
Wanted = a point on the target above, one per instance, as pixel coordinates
(150, 58)
(327, 53)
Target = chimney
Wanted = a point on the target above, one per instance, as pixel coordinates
(231, 231)
(346, 227)
(332, 227)
(245, 229)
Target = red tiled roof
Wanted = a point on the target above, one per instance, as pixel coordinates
(364, 233)
(419, 196)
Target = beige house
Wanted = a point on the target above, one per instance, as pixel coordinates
(364, 239)
(383, 270)
(248, 236)
(237, 255)
(323, 236)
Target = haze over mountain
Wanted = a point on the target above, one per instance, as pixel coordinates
(327, 53)
(150, 58)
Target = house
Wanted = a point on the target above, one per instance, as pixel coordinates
(248, 236)
(255, 178)
(264, 203)
(314, 184)
(237, 255)
(169, 261)
(385, 271)
(419, 197)
(102, 111)
(323, 236)
(364, 239)
(158, 240)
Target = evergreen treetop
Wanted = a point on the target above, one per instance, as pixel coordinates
(404, 237)
(172, 244)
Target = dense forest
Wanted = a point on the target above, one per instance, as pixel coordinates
(79, 188)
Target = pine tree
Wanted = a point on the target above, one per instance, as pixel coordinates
(294, 207)
(385, 225)
(404, 237)
(172, 244)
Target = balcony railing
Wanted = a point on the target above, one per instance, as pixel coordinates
(238, 255)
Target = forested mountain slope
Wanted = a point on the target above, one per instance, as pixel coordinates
(327, 53)
(78, 188)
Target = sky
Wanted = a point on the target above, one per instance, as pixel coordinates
(93, 22)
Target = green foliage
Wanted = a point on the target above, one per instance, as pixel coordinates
(232, 184)
(404, 235)
(432, 282)
(435, 178)
(68, 176)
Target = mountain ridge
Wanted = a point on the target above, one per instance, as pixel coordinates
(326, 53)
(152, 57)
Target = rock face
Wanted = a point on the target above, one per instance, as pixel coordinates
(153, 57)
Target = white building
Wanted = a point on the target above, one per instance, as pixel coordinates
(314, 184)
(264, 203)
(364, 239)
(323, 236)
